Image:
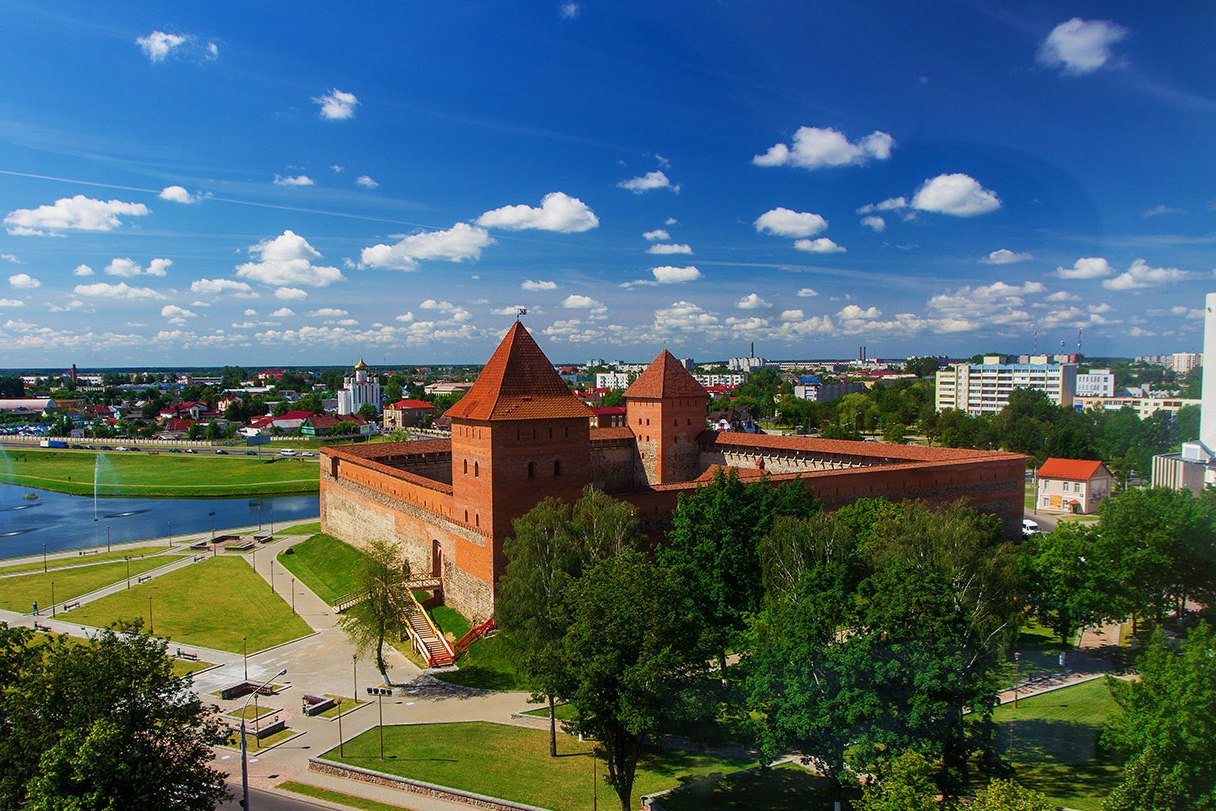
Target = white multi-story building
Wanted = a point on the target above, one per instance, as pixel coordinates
(1195, 467)
(1096, 383)
(984, 388)
(827, 392)
(358, 391)
(1183, 362)
(613, 380)
(745, 364)
(720, 380)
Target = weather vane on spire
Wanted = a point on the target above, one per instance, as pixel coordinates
(520, 311)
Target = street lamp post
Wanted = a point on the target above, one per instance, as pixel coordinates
(293, 595)
(245, 653)
(44, 558)
(271, 519)
(259, 516)
(107, 537)
(52, 598)
(170, 533)
(128, 560)
(244, 748)
(1017, 675)
(212, 514)
(151, 627)
(380, 699)
(354, 676)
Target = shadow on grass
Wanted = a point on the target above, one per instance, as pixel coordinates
(786, 788)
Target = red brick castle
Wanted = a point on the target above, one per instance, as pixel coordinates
(520, 435)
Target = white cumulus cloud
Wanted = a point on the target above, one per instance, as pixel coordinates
(219, 287)
(1080, 46)
(287, 261)
(753, 302)
(956, 194)
(1004, 256)
(792, 315)
(456, 244)
(783, 222)
(177, 194)
(23, 281)
(82, 270)
(815, 148)
(329, 312)
(337, 105)
(874, 223)
(78, 213)
(576, 301)
(821, 245)
(666, 274)
(172, 311)
(159, 44)
(290, 294)
(656, 235)
(807, 292)
(558, 212)
(648, 182)
(283, 312)
(366, 182)
(669, 248)
(11, 302)
(120, 291)
(1141, 275)
(293, 180)
(1089, 267)
(536, 286)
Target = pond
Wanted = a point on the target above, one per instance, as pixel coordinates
(67, 522)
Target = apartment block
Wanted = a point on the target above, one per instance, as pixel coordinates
(984, 388)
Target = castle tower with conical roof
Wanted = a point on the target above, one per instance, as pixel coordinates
(518, 436)
(665, 409)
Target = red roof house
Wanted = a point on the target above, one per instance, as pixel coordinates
(1072, 485)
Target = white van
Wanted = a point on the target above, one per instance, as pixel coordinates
(1030, 528)
(287, 452)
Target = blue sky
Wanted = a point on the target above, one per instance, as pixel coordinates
(229, 183)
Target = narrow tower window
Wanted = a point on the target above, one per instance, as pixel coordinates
(557, 467)
(531, 470)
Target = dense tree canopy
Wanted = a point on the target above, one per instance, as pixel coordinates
(380, 614)
(102, 725)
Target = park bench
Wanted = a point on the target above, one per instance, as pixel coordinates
(143, 578)
(245, 688)
(315, 705)
(197, 558)
(270, 729)
(88, 552)
(70, 606)
(181, 654)
(263, 538)
(39, 627)
(203, 544)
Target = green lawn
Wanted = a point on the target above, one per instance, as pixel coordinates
(564, 712)
(344, 705)
(184, 667)
(20, 592)
(450, 622)
(486, 665)
(325, 565)
(212, 604)
(788, 787)
(1055, 744)
(337, 797)
(165, 475)
(302, 529)
(514, 763)
(84, 560)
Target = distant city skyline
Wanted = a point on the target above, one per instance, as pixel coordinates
(226, 184)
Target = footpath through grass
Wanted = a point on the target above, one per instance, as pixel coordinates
(325, 565)
(302, 529)
(21, 592)
(1055, 746)
(84, 560)
(513, 763)
(213, 604)
(338, 798)
(160, 475)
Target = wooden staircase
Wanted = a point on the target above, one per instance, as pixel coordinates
(475, 633)
(428, 641)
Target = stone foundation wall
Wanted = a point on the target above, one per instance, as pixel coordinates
(466, 798)
(614, 466)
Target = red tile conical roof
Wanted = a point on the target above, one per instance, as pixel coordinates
(665, 377)
(518, 383)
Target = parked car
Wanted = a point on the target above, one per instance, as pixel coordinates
(308, 454)
(287, 452)
(1030, 528)
(191, 450)
(251, 453)
(222, 452)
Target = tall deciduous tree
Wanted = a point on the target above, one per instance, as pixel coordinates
(1070, 587)
(1166, 727)
(383, 580)
(713, 547)
(635, 671)
(103, 725)
(905, 785)
(543, 558)
(1008, 795)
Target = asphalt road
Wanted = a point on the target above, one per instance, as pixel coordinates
(266, 801)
